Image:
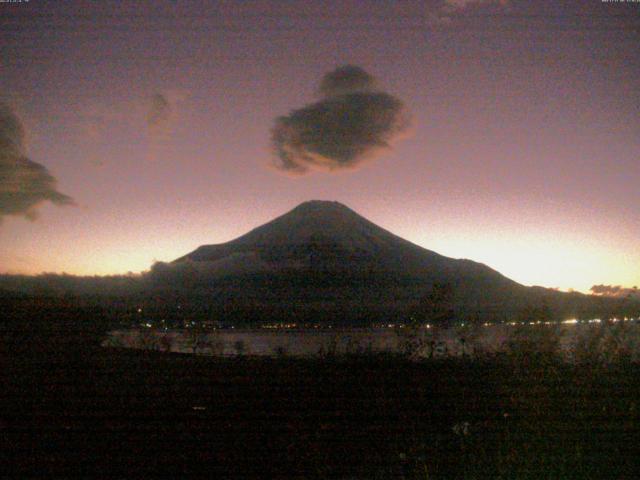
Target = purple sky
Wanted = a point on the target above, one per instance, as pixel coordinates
(156, 118)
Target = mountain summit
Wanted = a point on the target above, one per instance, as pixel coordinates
(313, 222)
(327, 237)
(315, 228)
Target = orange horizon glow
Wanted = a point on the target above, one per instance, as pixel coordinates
(553, 261)
(523, 152)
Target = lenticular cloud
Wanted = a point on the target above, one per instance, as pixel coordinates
(351, 123)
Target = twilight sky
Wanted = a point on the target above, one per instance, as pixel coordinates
(165, 124)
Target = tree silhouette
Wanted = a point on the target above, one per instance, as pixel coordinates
(437, 306)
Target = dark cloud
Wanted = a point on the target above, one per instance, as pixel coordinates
(615, 291)
(24, 184)
(350, 124)
(346, 79)
(159, 112)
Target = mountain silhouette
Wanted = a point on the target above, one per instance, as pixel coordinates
(328, 237)
(322, 259)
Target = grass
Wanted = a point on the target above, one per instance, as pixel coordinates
(70, 408)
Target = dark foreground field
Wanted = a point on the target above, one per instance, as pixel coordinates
(71, 409)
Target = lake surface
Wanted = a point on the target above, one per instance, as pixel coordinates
(462, 340)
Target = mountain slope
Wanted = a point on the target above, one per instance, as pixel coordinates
(323, 255)
(328, 236)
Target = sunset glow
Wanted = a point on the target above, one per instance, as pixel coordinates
(523, 151)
